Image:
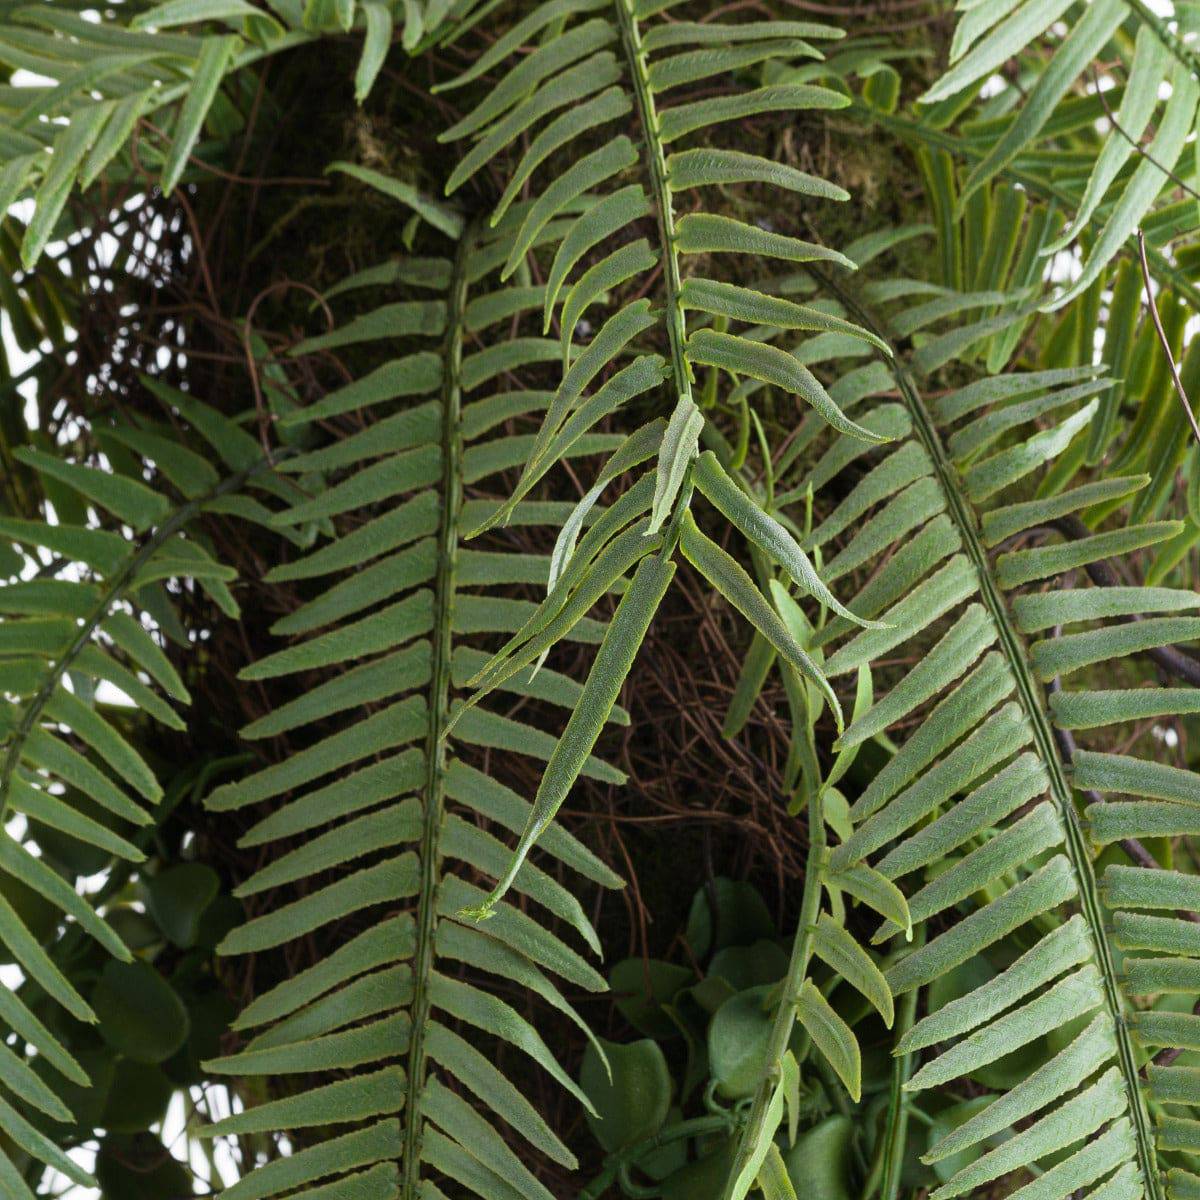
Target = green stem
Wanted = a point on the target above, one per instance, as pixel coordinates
(439, 711)
(656, 163)
(785, 1016)
(1032, 701)
(896, 1135)
(693, 1127)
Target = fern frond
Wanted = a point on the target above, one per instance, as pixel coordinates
(606, 63)
(74, 621)
(985, 781)
(385, 797)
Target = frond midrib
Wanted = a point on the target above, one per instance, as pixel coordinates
(439, 709)
(656, 165)
(815, 870)
(1035, 710)
(1017, 657)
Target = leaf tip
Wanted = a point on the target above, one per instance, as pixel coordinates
(477, 912)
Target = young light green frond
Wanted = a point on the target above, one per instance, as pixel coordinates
(621, 642)
(1077, 51)
(1148, 69)
(104, 76)
(440, 216)
(745, 304)
(763, 531)
(686, 33)
(762, 361)
(832, 1036)
(732, 582)
(705, 167)
(836, 947)
(1009, 35)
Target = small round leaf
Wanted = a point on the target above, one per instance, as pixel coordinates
(140, 1014)
(641, 987)
(633, 1104)
(177, 898)
(137, 1099)
(819, 1163)
(737, 1042)
(741, 917)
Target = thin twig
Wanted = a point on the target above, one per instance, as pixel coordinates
(264, 416)
(1141, 150)
(1162, 337)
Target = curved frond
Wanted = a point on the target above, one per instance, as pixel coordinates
(640, 216)
(976, 813)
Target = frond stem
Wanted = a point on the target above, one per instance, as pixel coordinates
(656, 162)
(895, 1137)
(1152, 305)
(785, 1015)
(434, 789)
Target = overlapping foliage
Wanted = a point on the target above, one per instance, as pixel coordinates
(980, 442)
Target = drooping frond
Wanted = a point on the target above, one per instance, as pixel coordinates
(571, 99)
(76, 613)
(387, 806)
(986, 780)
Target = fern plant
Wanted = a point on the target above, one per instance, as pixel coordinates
(582, 568)
(597, 317)
(986, 38)
(577, 68)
